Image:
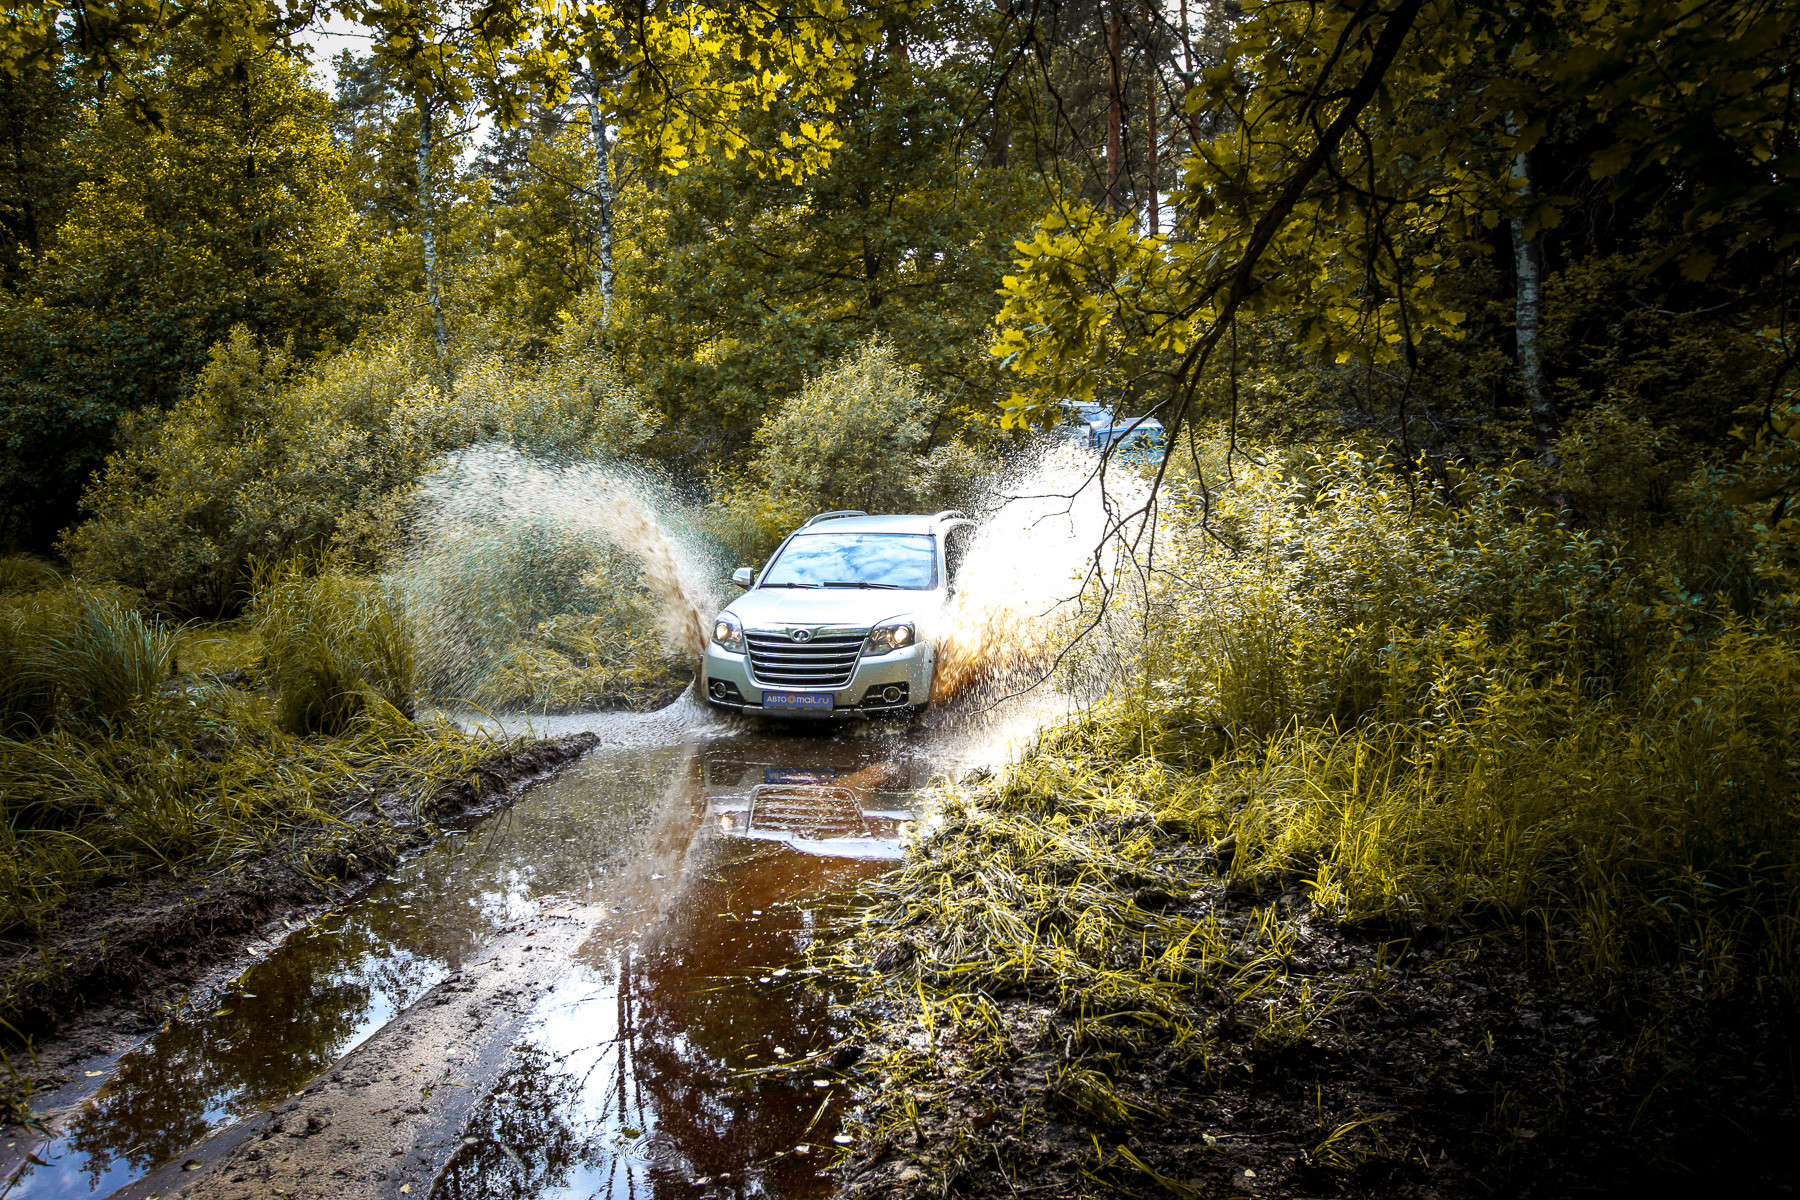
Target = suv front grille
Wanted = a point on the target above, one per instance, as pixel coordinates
(823, 664)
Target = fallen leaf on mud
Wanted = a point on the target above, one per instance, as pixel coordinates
(632, 1133)
(405, 1188)
(91, 1074)
(192, 1164)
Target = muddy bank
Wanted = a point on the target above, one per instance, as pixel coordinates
(121, 958)
(1112, 1013)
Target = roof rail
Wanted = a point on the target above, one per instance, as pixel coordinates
(952, 512)
(842, 512)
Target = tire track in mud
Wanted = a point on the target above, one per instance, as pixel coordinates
(388, 1115)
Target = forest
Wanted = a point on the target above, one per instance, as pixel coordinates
(1426, 820)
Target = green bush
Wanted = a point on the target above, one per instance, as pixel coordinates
(856, 436)
(1433, 702)
(266, 460)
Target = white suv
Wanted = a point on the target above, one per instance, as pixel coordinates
(838, 624)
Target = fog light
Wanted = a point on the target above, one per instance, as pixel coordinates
(891, 694)
(718, 689)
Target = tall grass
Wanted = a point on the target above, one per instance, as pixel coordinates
(336, 643)
(110, 770)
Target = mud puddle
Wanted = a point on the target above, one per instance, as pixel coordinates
(693, 873)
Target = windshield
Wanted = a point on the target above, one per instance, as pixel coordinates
(879, 560)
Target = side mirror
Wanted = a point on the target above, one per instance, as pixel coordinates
(743, 578)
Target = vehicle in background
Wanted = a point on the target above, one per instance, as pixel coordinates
(1097, 427)
(836, 626)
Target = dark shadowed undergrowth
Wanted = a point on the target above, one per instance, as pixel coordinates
(1440, 848)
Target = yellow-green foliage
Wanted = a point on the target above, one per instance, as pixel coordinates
(215, 649)
(265, 459)
(196, 781)
(336, 644)
(82, 655)
(1430, 702)
(108, 769)
(856, 436)
(26, 573)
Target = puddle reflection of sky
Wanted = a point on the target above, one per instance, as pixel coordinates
(647, 1013)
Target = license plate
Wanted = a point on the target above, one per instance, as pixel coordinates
(787, 775)
(797, 700)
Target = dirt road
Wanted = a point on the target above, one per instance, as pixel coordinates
(592, 993)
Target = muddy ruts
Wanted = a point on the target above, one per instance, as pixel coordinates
(123, 945)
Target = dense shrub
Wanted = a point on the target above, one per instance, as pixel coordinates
(856, 436)
(264, 459)
(1433, 701)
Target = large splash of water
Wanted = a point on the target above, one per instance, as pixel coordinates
(1044, 566)
(498, 535)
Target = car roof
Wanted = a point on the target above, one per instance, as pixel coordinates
(898, 523)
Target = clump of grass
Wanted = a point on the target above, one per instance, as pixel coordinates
(336, 644)
(109, 772)
(27, 573)
(99, 656)
(196, 782)
(217, 648)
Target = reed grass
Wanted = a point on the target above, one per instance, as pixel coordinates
(336, 644)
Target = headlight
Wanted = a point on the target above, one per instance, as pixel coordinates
(729, 635)
(884, 638)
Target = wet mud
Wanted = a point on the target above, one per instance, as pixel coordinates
(124, 955)
(595, 991)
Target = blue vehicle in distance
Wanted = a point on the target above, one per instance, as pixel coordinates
(1097, 427)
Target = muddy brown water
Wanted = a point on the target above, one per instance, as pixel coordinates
(693, 863)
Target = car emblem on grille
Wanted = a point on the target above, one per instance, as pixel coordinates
(800, 635)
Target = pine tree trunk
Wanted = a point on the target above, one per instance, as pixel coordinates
(1528, 301)
(1115, 114)
(428, 234)
(603, 198)
(1154, 202)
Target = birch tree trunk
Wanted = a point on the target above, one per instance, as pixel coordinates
(428, 234)
(603, 198)
(1115, 116)
(1528, 304)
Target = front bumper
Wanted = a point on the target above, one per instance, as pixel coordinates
(908, 670)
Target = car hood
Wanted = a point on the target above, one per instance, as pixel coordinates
(766, 608)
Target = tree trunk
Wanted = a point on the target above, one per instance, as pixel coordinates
(1002, 127)
(1154, 201)
(428, 234)
(1528, 283)
(1115, 114)
(603, 198)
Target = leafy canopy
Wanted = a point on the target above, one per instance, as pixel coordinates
(677, 79)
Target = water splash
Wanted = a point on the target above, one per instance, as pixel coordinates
(502, 540)
(1053, 539)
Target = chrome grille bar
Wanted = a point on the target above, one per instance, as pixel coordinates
(824, 664)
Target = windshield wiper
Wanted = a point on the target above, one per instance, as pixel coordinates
(800, 585)
(860, 583)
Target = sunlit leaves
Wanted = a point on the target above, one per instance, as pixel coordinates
(679, 78)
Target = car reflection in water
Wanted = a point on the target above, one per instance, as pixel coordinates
(632, 1081)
